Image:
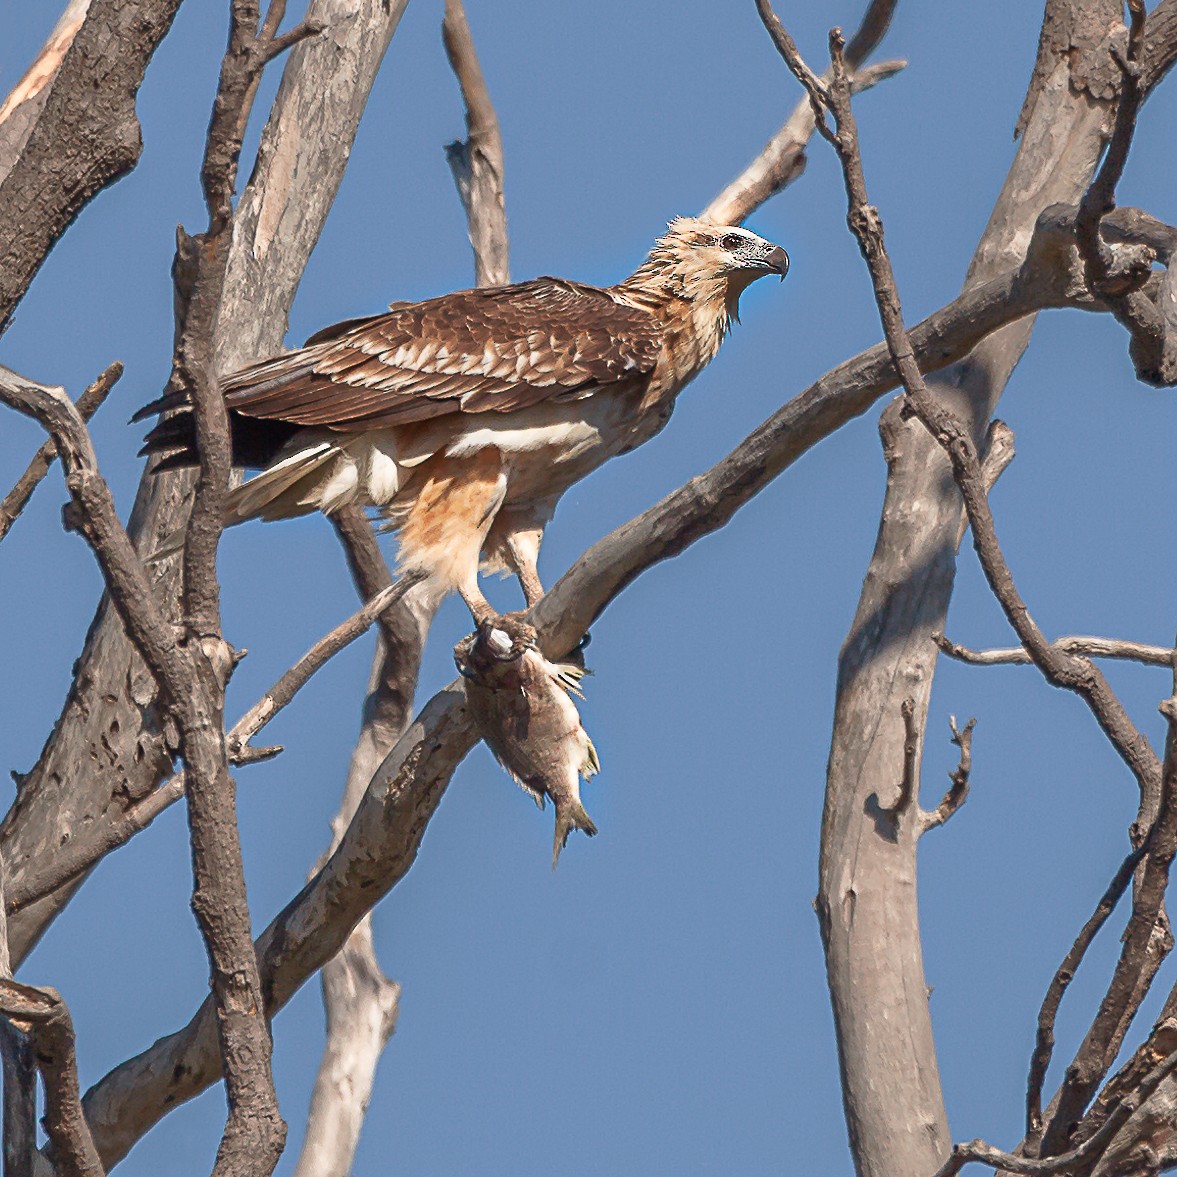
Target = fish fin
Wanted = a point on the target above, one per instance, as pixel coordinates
(568, 818)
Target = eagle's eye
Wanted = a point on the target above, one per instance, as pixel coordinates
(731, 241)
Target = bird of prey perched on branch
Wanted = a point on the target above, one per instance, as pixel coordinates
(464, 418)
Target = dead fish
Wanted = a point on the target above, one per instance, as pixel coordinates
(521, 705)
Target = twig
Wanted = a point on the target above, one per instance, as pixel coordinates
(909, 782)
(88, 404)
(1064, 975)
(1087, 647)
(958, 791)
(477, 163)
(93, 513)
(284, 690)
(782, 159)
(43, 1015)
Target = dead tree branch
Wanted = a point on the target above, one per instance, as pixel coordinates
(782, 159)
(1064, 975)
(303, 151)
(1081, 645)
(477, 162)
(83, 138)
(958, 791)
(77, 859)
(88, 404)
(43, 1015)
(1138, 960)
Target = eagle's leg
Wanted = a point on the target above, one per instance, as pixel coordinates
(443, 531)
(523, 556)
(512, 545)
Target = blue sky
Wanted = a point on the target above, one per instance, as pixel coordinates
(658, 1005)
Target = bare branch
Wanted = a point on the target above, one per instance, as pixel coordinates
(374, 853)
(477, 163)
(959, 790)
(83, 136)
(1064, 975)
(88, 404)
(96, 518)
(78, 857)
(909, 784)
(997, 454)
(284, 690)
(45, 1018)
(1084, 646)
(782, 159)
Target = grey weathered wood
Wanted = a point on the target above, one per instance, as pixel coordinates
(375, 852)
(99, 760)
(82, 136)
(867, 899)
(359, 1001)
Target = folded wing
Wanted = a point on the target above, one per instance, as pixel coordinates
(493, 350)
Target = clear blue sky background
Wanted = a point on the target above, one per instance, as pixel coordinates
(658, 1006)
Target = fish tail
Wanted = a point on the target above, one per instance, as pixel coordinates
(572, 816)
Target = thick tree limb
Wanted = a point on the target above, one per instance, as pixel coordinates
(85, 135)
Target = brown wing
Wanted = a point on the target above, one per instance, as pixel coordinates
(492, 350)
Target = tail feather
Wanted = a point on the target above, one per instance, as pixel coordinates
(279, 492)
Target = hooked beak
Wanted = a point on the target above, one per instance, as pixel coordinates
(778, 261)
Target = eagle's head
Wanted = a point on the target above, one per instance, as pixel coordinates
(708, 263)
(730, 250)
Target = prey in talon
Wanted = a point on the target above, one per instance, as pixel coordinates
(521, 704)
